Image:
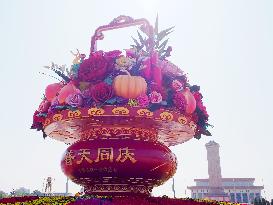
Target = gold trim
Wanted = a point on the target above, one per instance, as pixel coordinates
(193, 126)
(166, 116)
(145, 112)
(120, 111)
(95, 111)
(47, 122)
(74, 114)
(57, 117)
(182, 120)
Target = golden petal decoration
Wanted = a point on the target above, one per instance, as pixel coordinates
(182, 120)
(120, 111)
(47, 122)
(193, 126)
(166, 116)
(74, 114)
(57, 117)
(95, 111)
(145, 112)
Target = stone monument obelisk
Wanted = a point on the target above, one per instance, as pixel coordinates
(216, 190)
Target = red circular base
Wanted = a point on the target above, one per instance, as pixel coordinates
(118, 167)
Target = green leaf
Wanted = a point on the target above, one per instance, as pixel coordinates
(163, 45)
(164, 33)
(206, 132)
(197, 136)
(136, 42)
(164, 103)
(112, 101)
(156, 25)
(140, 38)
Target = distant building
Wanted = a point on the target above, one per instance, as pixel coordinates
(241, 190)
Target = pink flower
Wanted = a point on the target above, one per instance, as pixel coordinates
(143, 100)
(169, 68)
(43, 107)
(74, 100)
(155, 97)
(177, 85)
(131, 53)
(55, 102)
(150, 69)
(159, 89)
(112, 54)
(179, 101)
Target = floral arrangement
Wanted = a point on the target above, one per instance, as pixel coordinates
(141, 76)
(61, 200)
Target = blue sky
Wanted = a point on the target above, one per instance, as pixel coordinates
(226, 47)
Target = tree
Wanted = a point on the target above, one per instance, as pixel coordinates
(22, 191)
(37, 193)
(262, 201)
(3, 194)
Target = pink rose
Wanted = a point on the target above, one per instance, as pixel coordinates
(159, 89)
(155, 97)
(143, 100)
(74, 100)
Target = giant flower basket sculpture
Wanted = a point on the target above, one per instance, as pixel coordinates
(120, 112)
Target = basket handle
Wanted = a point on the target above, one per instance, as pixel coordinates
(119, 22)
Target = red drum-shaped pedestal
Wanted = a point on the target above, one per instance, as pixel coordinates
(118, 167)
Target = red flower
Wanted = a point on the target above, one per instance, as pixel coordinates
(96, 67)
(179, 101)
(37, 118)
(101, 92)
(37, 121)
(112, 54)
(43, 107)
(198, 96)
(203, 109)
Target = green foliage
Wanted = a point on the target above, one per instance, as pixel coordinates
(3, 194)
(37, 193)
(262, 201)
(153, 41)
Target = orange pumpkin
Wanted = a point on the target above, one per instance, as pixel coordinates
(128, 86)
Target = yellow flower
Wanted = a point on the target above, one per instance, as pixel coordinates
(132, 102)
(124, 63)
